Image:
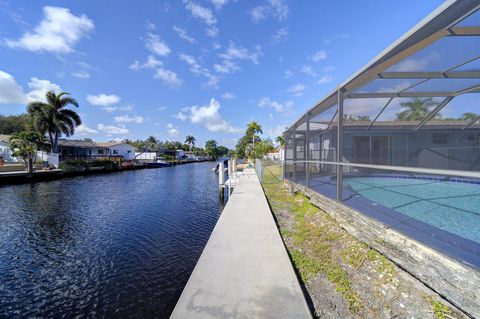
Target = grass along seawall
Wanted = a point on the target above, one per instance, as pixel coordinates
(343, 277)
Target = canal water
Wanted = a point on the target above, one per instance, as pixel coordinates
(120, 245)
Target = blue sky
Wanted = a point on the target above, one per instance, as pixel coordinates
(204, 68)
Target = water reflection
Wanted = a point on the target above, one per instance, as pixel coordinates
(118, 245)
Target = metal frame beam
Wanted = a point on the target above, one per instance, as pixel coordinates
(340, 147)
(430, 75)
(307, 147)
(472, 122)
(433, 113)
(380, 113)
(464, 31)
(331, 121)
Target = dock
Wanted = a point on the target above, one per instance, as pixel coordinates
(244, 270)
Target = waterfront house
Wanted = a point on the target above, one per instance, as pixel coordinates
(440, 144)
(90, 150)
(119, 149)
(6, 151)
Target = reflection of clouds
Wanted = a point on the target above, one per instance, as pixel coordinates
(415, 63)
(360, 107)
(387, 85)
(440, 56)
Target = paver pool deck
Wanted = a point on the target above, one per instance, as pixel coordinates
(244, 270)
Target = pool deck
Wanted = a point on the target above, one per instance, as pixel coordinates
(244, 270)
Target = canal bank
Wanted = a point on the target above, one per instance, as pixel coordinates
(244, 270)
(11, 177)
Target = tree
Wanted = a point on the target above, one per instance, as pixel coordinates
(53, 118)
(25, 145)
(190, 141)
(211, 149)
(252, 129)
(151, 143)
(280, 140)
(416, 109)
(469, 116)
(14, 123)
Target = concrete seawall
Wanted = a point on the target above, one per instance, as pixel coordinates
(244, 270)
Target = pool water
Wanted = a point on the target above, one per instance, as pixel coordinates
(450, 206)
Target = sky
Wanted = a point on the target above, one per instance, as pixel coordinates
(202, 68)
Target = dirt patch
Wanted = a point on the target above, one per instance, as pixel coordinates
(343, 276)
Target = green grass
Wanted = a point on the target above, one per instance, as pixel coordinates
(313, 253)
(438, 308)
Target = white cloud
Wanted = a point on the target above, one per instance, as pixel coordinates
(276, 8)
(81, 74)
(168, 77)
(297, 89)
(307, 69)
(150, 26)
(281, 35)
(276, 131)
(287, 74)
(328, 69)
(201, 13)
(219, 3)
(151, 63)
(182, 33)
(197, 69)
(10, 91)
(180, 116)
(236, 53)
(58, 32)
(279, 107)
(129, 119)
(330, 39)
(172, 131)
(209, 116)
(84, 130)
(112, 129)
(155, 45)
(39, 88)
(325, 79)
(228, 96)
(319, 56)
(212, 32)
(103, 99)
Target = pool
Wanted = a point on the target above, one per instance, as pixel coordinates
(451, 205)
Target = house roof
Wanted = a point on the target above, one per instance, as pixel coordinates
(110, 144)
(78, 143)
(437, 58)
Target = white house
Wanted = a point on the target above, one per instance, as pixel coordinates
(5, 150)
(122, 149)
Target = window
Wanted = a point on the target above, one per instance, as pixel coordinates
(477, 140)
(100, 152)
(129, 151)
(115, 152)
(439, 139)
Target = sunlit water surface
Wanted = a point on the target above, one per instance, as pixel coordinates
(119, 245)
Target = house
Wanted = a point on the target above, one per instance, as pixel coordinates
(6, 151)
(441, 144)
(121, 149)
(88, 150)
(80, 149)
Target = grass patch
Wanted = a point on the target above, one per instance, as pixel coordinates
(313, 241)
(438, 308)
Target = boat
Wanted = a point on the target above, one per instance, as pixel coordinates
(159, 162)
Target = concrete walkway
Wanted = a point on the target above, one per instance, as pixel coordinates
(244, 270)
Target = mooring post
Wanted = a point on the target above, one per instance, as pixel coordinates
(221, 179)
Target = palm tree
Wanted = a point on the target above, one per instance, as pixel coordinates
(253, 128)
(54, 118)
(25, 145)
(416, 109)
(151, 143)
(280, 140)
(190, 141)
